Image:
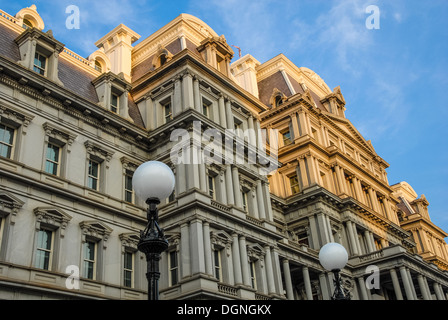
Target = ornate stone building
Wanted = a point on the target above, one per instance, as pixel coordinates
(73, 130)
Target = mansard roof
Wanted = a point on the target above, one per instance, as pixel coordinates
(74, 77)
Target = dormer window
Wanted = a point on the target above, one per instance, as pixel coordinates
(114, 103)
(278, 101)
(27, 24)
(40, 63)
(98, 66)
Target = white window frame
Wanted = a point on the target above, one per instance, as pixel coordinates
(7, 145)
(172, 269)
(91, 177)
(88, 260)
(131, 270)
(50, 251)
(45, 69)
(57, 162)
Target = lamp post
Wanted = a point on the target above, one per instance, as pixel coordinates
(153, 181)
(334, 257)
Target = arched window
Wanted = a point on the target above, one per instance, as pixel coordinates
(27, 24)
(98, 66)
(278, 100)
(163, 59)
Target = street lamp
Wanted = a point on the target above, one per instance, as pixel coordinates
(153, 181)
(334, 257)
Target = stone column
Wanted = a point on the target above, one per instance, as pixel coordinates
(177, 97)
(268, 208)
(295, 126)
(244, 261)
(197, 95)
(187, 91)
(236, 188)
(269, 270)
(324, 286)
(222, 111)
(422, 284)
(207, 249)
(252, 137)
(202, 171)
(406, 283)
(229, 185)
(197, 243)
(396, 284)
(260, 201)
(363, 289)
(351, 235)
(236, 259)
(323, 228)
(307, 281)
(438, 291)
(288, 282)
(315, 243)
(185, 250)
(229, 115)
(303, 174)
(193, 169)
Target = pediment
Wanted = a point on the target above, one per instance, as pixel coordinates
(8, 200)
(345, 127)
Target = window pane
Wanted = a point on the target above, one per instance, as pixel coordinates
(128, 260)
(42, 259)
(44, 239)
(89, 250)
(6, 140)
(88, 269)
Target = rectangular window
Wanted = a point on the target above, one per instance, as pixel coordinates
(93, 175)
(294, 184)
(128, 268)
(218, 270)
(128, 192)
(245, 206)
(40, 63)
(168, 112)
(114, 103)
(173, 268)
(211, 187)
(52, 159)
(286, 138)
(253, 278)
(43, 253)
(6, 141)
(89, 259)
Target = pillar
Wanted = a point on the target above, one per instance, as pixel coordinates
(222, 111)
(406, 283)
(363, 289)
(229, 116)
(236, 260)
(288, 282)
(351, 235)
(187, 91)
(207, 249)
(197, 95)
(197, 244)
(269, 270)
(185, 250)
(236, 187)
(229, 185)
(244, 261)
(422, 284)
(260, 201)
(396, 284)
(307, 281)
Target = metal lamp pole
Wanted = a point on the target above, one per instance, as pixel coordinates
(152, 243)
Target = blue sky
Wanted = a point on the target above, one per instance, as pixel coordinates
(394, 79)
